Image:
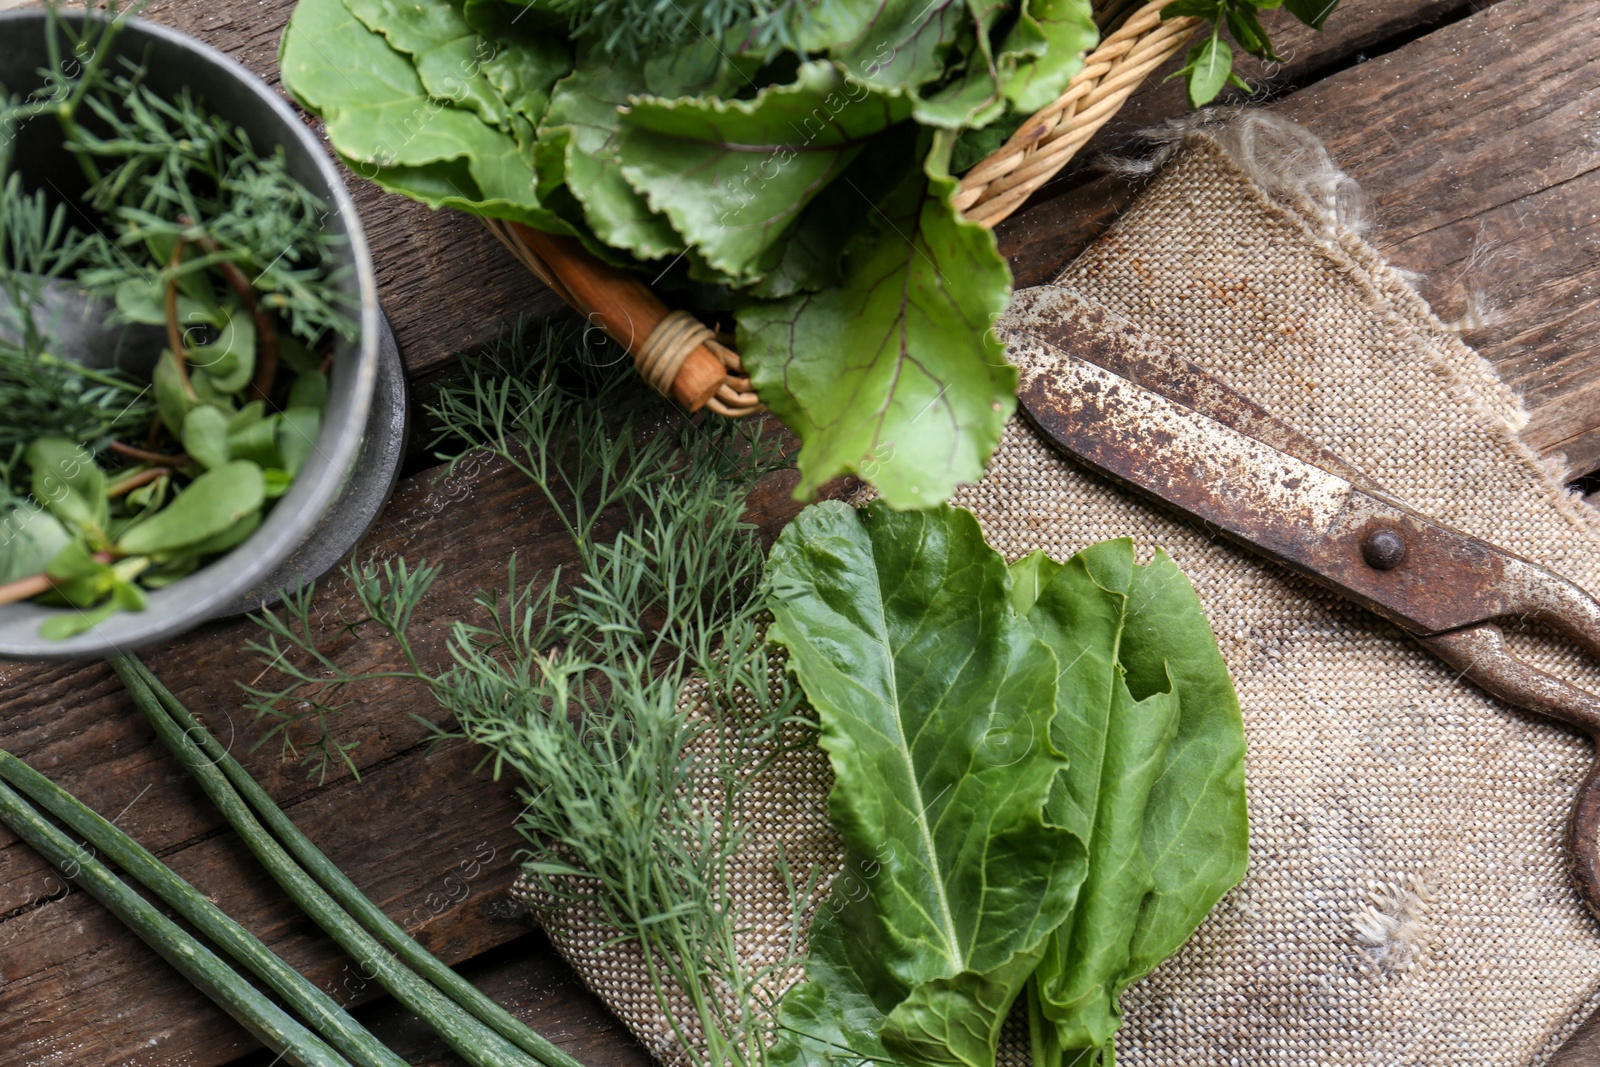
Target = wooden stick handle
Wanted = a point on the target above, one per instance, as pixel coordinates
(624, 307)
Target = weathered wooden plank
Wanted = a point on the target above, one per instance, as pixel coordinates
(1357, 30)
(1479, 145)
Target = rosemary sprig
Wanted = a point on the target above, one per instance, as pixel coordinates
(42, 393)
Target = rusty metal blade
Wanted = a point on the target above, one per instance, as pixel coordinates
(1095, 333)
(1424, 577)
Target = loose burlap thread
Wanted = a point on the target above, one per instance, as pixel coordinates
(1407, 900)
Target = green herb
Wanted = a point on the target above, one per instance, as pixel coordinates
(133, 484)
(793, 169)
(575, 684)
(42, 393)
(1052, 755)
(1208, 68)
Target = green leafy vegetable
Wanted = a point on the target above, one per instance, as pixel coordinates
(732, 176)
(390, 129)
(786, 161)
(895, 373)
(1209, 64)
(935, 701)
(213, 503)
(578, 147)
(792, 155)
(1129, 779)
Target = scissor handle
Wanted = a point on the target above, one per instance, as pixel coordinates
(1479, 653)
(1532, 591)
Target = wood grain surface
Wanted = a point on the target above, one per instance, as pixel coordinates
(1476, 130)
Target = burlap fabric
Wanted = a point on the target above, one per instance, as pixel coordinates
(1407, 900)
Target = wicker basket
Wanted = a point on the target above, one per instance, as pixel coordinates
(681, 358)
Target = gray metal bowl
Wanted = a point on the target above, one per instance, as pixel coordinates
(175, 62)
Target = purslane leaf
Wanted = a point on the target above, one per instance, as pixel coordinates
(68, 483)
(935, 701)
(894, 373)
(210, 506)
(32, 538)
(733, 176)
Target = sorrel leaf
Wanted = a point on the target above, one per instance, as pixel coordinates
(935, 701)
(1151, 727)
(886, 617)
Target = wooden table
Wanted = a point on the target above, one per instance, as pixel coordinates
(1474, 127)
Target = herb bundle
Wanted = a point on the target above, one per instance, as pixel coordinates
(119, 479)
(574, 684)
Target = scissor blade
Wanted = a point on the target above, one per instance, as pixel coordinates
(1094, 333)
(1316, 521)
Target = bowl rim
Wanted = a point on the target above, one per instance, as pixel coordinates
(187, 603)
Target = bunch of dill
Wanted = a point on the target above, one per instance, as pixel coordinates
(576, 683)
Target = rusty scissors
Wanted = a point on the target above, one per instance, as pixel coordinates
(1113, 398)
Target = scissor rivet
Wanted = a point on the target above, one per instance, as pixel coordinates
(1383, 548)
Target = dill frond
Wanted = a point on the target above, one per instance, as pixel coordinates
(575, 684)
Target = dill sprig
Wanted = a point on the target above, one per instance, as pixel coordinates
(184, 174)
(634, 809)
(42, 393)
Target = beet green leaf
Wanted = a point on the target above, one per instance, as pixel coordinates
(732, 176)
(894, 373)
(386, 125)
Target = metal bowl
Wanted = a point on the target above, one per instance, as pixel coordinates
(175, 62)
